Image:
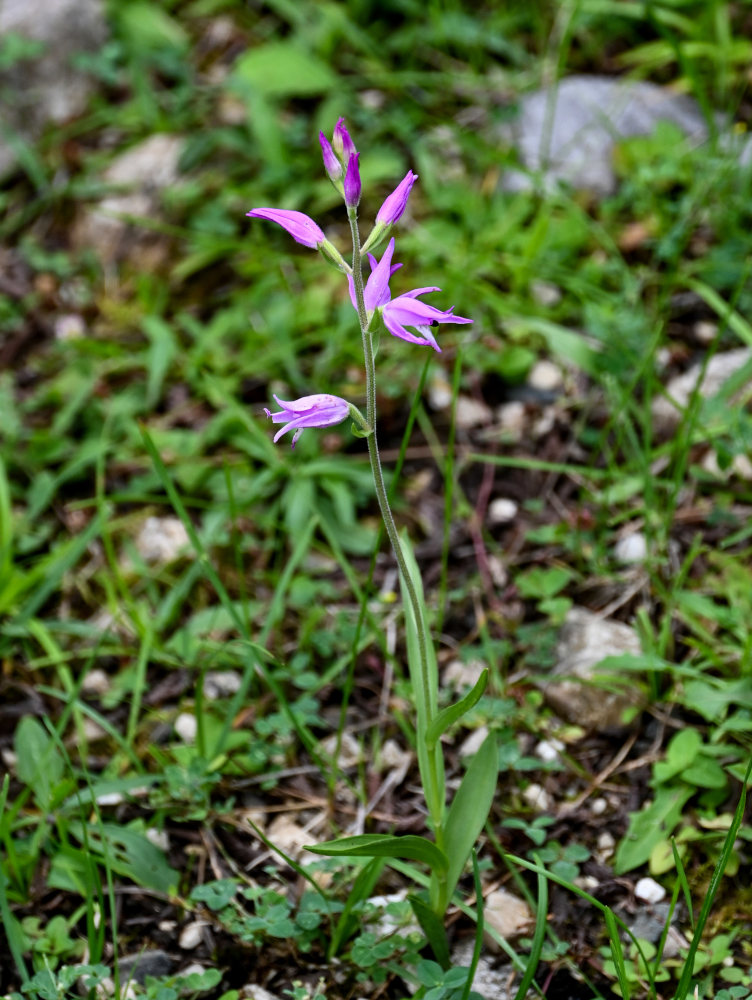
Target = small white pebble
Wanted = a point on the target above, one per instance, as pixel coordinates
(502, 510)
(471, 413)
(167, 926)
(631, 549)
(545, 422)
(195, 968)
(545, 376)
(110, 799)
(705, 331)
(458, 674)
(598, 806)
(511, 419)
(439, 391)
(545, 293)
(161, 539)
(586, 882)
(69, 327)
(10, 759)
(186, 727)
(221, 684)
(192, 935)
(649, 890)
(606, 845)
(159, 838)
(473, 742)
(537, 797)
(549, 750)
(96, 682)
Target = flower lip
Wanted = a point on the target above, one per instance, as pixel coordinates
(394, 204)
(301, 227)
(406, 310)
(318, 410)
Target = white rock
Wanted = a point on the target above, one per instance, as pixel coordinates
(545, 376)
(502, 510)
(667, 410)
(569, 130)
(632, 549)
(9, 758)
(545, 293)
(69, 327)
(350, 749)
(159, 838)
(96, 682)
(288, 835)
(490, 981)
(705, 331)
(195, 968)
(192, 935)
(472, 413)
(740, 467)
(439, 391)
(511, 420)
(221, 684)
(650, 891)
(507, 914)
(47, 87)
(472, 743)
(598, 806)
(606, 845)
(255, 992)
(144, 171)
(536, 796)
(393, 756)
(457, 674)
(545, 423)
(549, 750)
(186, 727)
(162, 540)
(577, 689)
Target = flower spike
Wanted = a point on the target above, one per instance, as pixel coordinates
(319, 410)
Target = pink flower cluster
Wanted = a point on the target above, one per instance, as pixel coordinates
(401, 315)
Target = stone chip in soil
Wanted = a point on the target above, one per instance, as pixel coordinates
(577, 690)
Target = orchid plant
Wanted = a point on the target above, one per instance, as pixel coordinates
(455, 827)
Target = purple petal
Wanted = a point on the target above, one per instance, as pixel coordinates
(343, 144)
(377, 287)
(352, 182)
(301, 227)
(398, 330)
(394, 205)
(331, 164)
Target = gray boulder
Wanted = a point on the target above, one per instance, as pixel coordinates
(569, 131)
(46, 88)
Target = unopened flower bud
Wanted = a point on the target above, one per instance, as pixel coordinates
(343, 145)
(331, 164)
(352, 182)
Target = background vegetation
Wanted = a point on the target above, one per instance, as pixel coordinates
(165, 720)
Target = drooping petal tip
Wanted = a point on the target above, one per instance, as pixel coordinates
(300, 226)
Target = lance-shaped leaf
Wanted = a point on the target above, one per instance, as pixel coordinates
(449, 715)
(384, 845)
(470, 808)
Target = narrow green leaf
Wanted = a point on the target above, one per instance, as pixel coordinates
(470, 808)
(539, 936)
(433, 927)
(449, 715)
(617, 953)
(384, 845)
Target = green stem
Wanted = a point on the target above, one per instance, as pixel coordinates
(434, 793)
